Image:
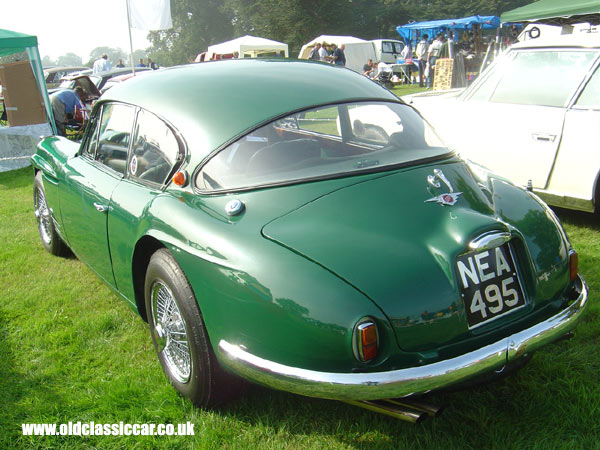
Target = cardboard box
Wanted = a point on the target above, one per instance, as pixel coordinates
(22, 99)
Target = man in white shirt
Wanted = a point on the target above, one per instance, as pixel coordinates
(323, 53)
(432, 56)
(102, 64)
(421, 52)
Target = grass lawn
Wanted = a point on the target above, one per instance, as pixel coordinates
(407, 89)
(71, 350)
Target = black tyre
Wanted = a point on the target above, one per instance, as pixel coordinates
(180, 338)
(50, 238)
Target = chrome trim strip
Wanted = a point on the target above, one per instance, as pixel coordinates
(399, 383)
(490, 240)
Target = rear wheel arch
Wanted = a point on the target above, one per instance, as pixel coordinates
(144, 249)
(179, 335)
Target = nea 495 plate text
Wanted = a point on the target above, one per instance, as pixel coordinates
(489, 284)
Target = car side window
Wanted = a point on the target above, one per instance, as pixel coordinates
(590, 97)
(91, 142)
(155, 149)
(387, 47)
(114, 135)
(520, 82)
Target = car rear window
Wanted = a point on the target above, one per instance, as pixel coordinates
(334, 140)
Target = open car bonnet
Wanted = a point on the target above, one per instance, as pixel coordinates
(397, 238)
(91, 92)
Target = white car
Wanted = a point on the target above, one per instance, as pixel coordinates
(533, 116)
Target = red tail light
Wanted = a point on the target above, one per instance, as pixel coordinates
(573, 265)
(365, 340)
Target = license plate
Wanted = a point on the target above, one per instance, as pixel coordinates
(489, 284)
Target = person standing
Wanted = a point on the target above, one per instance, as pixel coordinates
(407, 56)
(323, 53)
(120, 64)
(432, 56)
(102, 64)
(338, 57)
(421, 52)
(151, 64)
(314, 53)
(141, 63)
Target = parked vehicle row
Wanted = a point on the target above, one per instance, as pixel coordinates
(53, 75)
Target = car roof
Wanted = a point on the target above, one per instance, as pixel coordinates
(54, 69)
(578, 39)
(212, 103)
(120, 70)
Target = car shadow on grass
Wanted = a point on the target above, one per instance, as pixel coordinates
(523, 409)
(578, 218)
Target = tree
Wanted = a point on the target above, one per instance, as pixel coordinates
(47, 61)
(200, 23)
(114, 54)
(452, 9)
(295, 23)
(196, 25)
(70, 59)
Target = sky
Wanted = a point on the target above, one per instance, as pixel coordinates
(72, 26)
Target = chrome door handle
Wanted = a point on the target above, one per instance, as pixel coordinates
(100, 208)
(543, 137)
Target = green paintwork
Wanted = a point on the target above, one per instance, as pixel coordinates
(413, 280)
(290, 276)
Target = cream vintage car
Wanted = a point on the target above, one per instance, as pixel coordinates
(533, 116)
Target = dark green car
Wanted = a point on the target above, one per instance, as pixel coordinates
(296, 225)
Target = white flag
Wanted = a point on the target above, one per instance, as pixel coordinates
(150, 14)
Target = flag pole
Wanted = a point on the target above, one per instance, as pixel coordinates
(130, 39)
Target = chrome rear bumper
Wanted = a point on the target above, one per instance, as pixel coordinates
(403, 382)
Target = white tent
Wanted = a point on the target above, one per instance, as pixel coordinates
(247, 47)
(357, 51)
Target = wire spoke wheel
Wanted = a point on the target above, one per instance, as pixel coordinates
(170, 332)
(180, 337)
(42, 213)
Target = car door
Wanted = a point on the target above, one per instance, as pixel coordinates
(577, 166)
(155, 154)
(515, 115)
(90, 179)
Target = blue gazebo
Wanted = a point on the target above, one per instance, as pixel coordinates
(412, 31)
